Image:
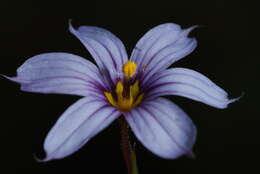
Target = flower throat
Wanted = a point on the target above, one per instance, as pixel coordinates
(126, 95)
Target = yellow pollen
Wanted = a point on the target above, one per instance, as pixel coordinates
(126, 98)
(129, 69)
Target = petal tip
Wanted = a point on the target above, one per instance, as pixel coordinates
(39, 160)
(229, 101)
(71, 28)
(70, 24)
(4, 76)
(15, 79)
(188, 30)
(70, 21)
(236, 99)
(47, 158)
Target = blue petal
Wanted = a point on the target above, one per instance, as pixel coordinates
(160, 47)
(60, 73)
(187, 83)
(163, 128)
(77, 125)
(107, 50)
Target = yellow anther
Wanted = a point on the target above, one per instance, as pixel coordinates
(134, 89)
(110, 98)
(119, 87)
(119, 90)
(129, 100)
(129, 69)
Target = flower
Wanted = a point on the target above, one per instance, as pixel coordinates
(121, 87)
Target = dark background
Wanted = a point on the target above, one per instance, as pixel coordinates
(228, 140)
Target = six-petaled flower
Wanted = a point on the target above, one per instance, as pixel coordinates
(118, 86)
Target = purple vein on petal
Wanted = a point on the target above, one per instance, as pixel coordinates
(170, 44)
(166, 92)
(182, 83)
(66, 80)
(150, 38)
(165, 113)
(81, 124)
(185, 150)
(167, 60)
(88, 41)
(168, 73)
(53, 153)
(84, 141)
(112, 43)
(78, 75)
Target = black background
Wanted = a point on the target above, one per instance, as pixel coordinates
(228, 140)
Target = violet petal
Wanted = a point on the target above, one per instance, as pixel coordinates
(162, 46)
(107, 50)
(187, 83)
(163, 128)
(77, 125)
(59, 73)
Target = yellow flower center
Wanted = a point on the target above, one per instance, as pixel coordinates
(126, 96)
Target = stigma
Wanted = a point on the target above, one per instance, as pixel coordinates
(129, 69)
(126, 96)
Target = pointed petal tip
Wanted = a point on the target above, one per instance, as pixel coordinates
(70, 25)
(188, 30)
(229, 101)
(7, 77)
(4, 76)
(38, 159)
(71, 28)
(47, 158)
(236, 99)
(70, 21)
(14, 79)
(194, 27)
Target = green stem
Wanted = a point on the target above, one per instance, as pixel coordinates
(128, 151)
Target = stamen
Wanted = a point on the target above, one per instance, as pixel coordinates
(110, 98)
(119, 90)
(126, 94)
(125, 102)
(134, 89)
(129, 69)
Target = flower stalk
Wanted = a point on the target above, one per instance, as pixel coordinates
(127, 149)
